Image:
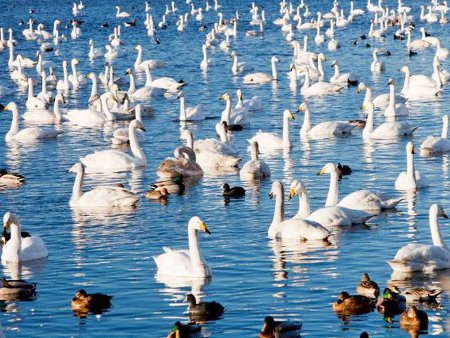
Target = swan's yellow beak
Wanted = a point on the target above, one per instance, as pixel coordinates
(321, 171)
(291, 193)
(6, 225)
(358, 90)
(291, 115)
(300, 108)
(363, 107)
(204, 228)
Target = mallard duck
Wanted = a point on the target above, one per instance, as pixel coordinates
(204, 310)
(272, 328)
(421, 295)
(233, 192)
(82, 303)
(353, 305)
(16, 289)
(173, 185)
(391, 303)
(367, 287)
(413, 319)
(157, 194)
(7, 178)
(184, 330)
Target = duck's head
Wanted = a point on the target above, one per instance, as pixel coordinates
(269, 324)
(412, 312)
(175, 332)
(343, 295)
(196, 223)
(365, 278)
(226, 186)
(190, 298)
(80, 295)
(387, 294)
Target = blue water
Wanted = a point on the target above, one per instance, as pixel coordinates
(252, 276)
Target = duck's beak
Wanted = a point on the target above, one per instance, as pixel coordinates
(204, 228)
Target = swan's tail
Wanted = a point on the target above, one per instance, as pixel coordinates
(400, 266)
(390, 203)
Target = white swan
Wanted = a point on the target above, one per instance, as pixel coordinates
(323, 129)
(64, 84)
(441, 52)
(189, 113)
(45, 115)
(318, 88)
(100, 197)
(34, 102)
(185, 263)
(259, 78)
(145, 92)
(140, 65)
(376, 66)
(269, 141)
(297, 228)
(387, 130)
(437, 145)
(91, 117)
(329, 216)
(394, 109)
(238, 67)
(346, 78)
(18, 249)
(28, 134)
(120, 14)
(357, 200)
(121, 135)
(256, 103)
(112, 160)
(76, 79)
(255, 168)
(422, 257)
(205, 61)
(238, 117)
(416, 45)
(166, 83)
(418, 87)
(410, 179)
(93, 52)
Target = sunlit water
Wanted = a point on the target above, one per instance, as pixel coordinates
(252, 276)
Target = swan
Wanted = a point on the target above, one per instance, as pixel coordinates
(29, 33)
(387, 130)
(166, 83)
(239, 67)
(329, 216)
(292, 228)
(205, 61)
(269, 141)
(346, 78)
(34, 102)
(76, 79)
(112, 160)
(100, 197)
(259, 78)
(255, 168)
(324, 129)
(185, 263)
(357, 200)
(93, 52)
(441, 52)
(430, 39)
(64, 85)
(256, 103)
(318, 88)
(416, 45)
(189, 113)
(376, 66)
(422, 257)
(18, 249)
(238, 117)
(140, 65)
(28, 134)
(121, 135)
(91, 117)
(111, 53)
(418, 87)
(120, 14)
(184, 163)
(319, 38)
(145, 92)
(410, 179)
(42, 115)
(394, 109)
(437, 145)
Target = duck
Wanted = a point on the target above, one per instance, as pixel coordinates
(30, 134)
(185, 263)
(180, 330)
(273, 328)
(434, 145)
(157, 194)
(269, 141)
(353, 305)
(112, 160)
(410, 179)
(324, 129)
(318, 88)
(235, 192)
(83, 303)
(16, 289)
(173, 185)
(394, 109)
(18, 249)
(367, 287)
(296, 228)
(331, 216)
(418, 294)
(391, 303)
(413, 319)
(189, 114)
(387, 130)
(358, 200)
(10, 179)
(204, 310)
(100, 197)
(260, 78)
(255, 168)
(424, 257)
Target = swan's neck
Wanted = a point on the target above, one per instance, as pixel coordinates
(392, 96)
(139, 57)
(410, 169)
(148, 77)
(194, 250)
(105, 109)
(227, 112)
(11, 54)
(278, 215)
(132, 87)
(234, 68)
(134, 144)
(44, 83)
(306, 83)
(304, 208)
(274, 70)
(183, 115)
(94, 87)
(445, 129)
(436, 74)
(436, 236)
(286, 140)
(223, 135)
(406, 82)
(205, 56)
(368, 96)
(66, 76)
(16, 242)
(190, 141)
(368, 129)
(74, 74)
(320, 68)
(39, 63)
(332, 197)
(14, 129)
(77, 189)
(30, 90)
(56, 110)
(336, 71)
(254, 154)
(306, 126)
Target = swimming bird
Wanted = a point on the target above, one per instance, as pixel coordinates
(273, 328)
(367, 287)
(434, 145)
(83, 303)
(353, 305)
(411, 179)
(260, 78)
(413, 319)
(204, 310)
(157, 194)
(10, 179)
(16, 289)
(184, 330)
(255, 168)
(233, 192)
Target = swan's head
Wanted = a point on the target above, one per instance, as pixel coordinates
(334, 63)
(138, 47)
(60, 97)
(91, 42)
(321, 57)
(390, 82)
(274, 59)
(12, 106)
(404, 69)
(327, 169)
(277, 188)
(445, 119)
(136, 124)
(129, 71)
(90, 76)
(295, 188)
(410, 148)
(197, 224)
(361, 87)
(75, 61)
(288, 114)
(438, 210)
(8, 218)
(239, 94)
(76, 168)
(180, 95)
(233, 54)
(303, 107)
(225, 97)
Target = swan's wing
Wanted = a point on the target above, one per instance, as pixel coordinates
(108, 197)
(420, 257)
(107, 159)
(33, 247)
(332, 216)
(302, 228)
(361, 200)
(174, 263)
